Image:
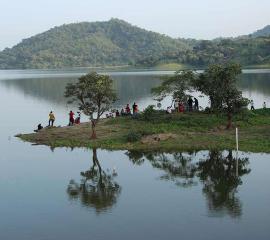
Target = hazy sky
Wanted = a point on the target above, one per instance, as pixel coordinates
(201, 19)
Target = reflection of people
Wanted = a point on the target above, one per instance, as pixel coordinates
(51, 118)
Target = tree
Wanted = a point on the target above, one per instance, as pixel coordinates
(218, 82)
(177, 86)
(94, 95)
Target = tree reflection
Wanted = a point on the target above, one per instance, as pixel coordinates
(97, 189)
(177, 167)
(220, 175)
(221, 179)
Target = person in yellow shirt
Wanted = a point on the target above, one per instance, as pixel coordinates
(51, 118)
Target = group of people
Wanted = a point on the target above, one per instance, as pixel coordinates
(127, 110)
(73, 120)
(190, 105)
(252, 105)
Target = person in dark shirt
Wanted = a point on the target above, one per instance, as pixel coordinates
(134, 108)
(196, 104)
(190, 104)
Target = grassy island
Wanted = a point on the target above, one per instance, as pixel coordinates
(165, 132)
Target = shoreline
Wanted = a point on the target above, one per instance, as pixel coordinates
(177, 132)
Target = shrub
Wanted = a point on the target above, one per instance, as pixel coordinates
(133, 136)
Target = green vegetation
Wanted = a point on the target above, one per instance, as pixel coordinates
(217, 82)
(265, 32)
(165, 132)
(89, 44)
(116, 42)
(246, 50)
(94, 94)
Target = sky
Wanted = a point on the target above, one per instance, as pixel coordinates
(200, 19)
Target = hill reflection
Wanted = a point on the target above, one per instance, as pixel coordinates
(129, 88)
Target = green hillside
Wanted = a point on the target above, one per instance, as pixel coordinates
(247, 50)
(89, 44)
(117, 42)
(264, 32)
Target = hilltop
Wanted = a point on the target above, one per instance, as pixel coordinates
(264, 32)
(116, 42)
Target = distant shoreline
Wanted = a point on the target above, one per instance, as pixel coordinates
(128, 68)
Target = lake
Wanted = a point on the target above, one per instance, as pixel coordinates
(191, 195)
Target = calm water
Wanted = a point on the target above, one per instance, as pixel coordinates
(197, 195)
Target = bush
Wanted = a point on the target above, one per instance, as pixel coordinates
(149, 113)
(133, 136)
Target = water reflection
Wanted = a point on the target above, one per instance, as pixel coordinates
(221, 176)
(177, 167)
(97, 189)
(129, 88)
(219, 172)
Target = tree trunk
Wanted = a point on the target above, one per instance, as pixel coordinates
(94, 135)
(229, 123)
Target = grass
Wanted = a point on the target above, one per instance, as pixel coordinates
(160, 131)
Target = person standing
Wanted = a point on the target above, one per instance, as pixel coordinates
(252, 105)
(264, 105)
(196, 104)
(128, 110)
(176, 105)
(51, 119)
(71, 118)
(181, 107)
(134, 108)
(190, 104)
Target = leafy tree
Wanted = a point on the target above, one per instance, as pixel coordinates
(177, 86)
(218, 82)
(94, 95)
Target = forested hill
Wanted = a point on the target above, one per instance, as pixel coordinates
(117, 42)
(265, 32)
(89, 44)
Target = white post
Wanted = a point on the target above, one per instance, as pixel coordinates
(237, 146)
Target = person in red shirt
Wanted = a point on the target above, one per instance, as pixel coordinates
(181, 107)
(128, 112)
(71, 118)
